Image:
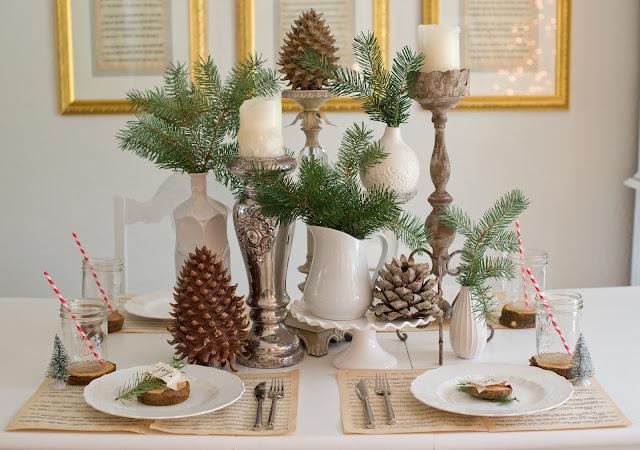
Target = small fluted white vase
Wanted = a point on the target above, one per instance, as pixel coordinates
(468, 335)
(200, 221)
(399, 171)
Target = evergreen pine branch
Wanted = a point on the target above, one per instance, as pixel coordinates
(331, 196)
(504, 241)
(384, 94)
(412, 230)
(140, 384)
(458, 220)
(405, 63)
(144, 382)
(476, 268)
(186, 126)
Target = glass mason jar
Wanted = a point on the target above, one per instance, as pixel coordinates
(91, 314)
(536, 261)
(109, 273)
(566, 308)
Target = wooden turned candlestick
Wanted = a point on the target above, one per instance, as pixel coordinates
(439, 92)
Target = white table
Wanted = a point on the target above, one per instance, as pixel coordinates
(27, 327)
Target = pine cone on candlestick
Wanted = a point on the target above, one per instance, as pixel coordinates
(209, 324)
(404, 291)
(308, 31)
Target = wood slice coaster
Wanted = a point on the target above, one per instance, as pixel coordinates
(518, 318)
(115, 321)
(561, 364)
(82, 377)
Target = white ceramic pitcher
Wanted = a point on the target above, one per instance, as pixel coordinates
(339, 286)
(467, 334)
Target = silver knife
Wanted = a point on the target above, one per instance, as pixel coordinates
(363, 393)
(259, 392)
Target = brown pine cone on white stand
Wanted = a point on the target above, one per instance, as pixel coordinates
(405, 291)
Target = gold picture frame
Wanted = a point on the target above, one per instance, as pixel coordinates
(246, 44)
(558, 101)
(69, 104)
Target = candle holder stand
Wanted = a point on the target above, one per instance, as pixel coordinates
(316, 339)
(439, 92)
(311, 118)
(265, 249)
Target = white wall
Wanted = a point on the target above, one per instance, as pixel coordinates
(59, 174)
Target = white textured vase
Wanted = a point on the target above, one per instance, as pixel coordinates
(399, 171)
(339, 286)
(467, 335)
(200, 221)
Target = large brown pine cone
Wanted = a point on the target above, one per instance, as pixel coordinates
(209, 324)
(405, 291)
(308, 31)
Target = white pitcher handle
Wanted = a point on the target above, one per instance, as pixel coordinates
(383, 256)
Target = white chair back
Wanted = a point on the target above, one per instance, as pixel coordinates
(145, 233)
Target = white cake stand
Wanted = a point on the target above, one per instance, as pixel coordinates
(364, 352)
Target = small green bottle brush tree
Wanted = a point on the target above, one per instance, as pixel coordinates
(385, 94)
(490, 233)
(190, 126)
(331, 196)
(60, 365)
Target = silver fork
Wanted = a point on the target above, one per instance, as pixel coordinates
(384, 388)
(276, 391)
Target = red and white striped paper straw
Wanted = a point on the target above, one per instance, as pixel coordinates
(82, 333)
(93, 272)
(524, 276)
(546, 305)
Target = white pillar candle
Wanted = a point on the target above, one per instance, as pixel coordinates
(441, 47)
(260, 133)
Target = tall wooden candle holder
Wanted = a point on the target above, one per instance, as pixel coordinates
(439, 92)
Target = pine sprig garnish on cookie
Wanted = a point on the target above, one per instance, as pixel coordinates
(142, 383)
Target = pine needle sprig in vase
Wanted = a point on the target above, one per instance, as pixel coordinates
(488, 234)
(190, 126)
(331, 196)
(384, 93)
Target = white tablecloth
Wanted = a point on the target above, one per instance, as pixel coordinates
(610, 326)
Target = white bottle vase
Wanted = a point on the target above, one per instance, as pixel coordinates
(468, 335)
(399, 171)
(200, 221)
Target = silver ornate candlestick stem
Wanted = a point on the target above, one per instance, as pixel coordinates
(439, 92)
(265, 250)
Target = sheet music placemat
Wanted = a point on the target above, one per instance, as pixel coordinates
(589, 407)
(239, 418)
(66, 410)
(137, 324)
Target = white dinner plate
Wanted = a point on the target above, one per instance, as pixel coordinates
(155, 305)
(536, 389)
(210, 389)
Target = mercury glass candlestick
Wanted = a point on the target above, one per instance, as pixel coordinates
(265, 249)
(311, 118)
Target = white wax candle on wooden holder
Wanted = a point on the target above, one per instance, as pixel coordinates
(260, 133)
(441, 47)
